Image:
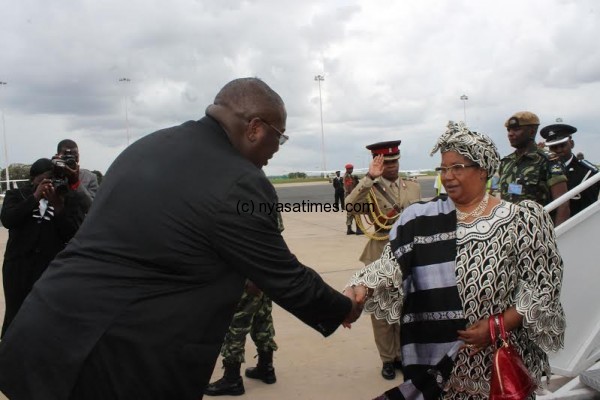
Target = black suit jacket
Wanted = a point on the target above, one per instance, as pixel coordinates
(137, 305)
(576, 171)
(338, 184)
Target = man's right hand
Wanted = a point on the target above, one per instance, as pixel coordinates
(72, 174)
(376, 167)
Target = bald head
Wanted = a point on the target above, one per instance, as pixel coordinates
(248, 97)
(253, 117)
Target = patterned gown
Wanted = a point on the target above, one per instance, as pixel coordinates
(507, 258)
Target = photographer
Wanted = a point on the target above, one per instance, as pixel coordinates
(80, 179)
(41, 218)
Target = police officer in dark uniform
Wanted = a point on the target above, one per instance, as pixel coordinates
(559, 140)
(338, 186)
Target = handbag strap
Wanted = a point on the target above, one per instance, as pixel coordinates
(497, 322)
(502, 330)
(492, 326)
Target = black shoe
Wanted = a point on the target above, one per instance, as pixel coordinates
(264, 373)
(388, 371)
(223, 387)
(398, 365)
(359, 231)
(349, 231)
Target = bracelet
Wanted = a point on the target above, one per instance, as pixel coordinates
(369, 291)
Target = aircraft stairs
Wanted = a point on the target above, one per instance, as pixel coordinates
(579, 245)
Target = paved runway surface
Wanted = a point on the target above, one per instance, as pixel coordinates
(309, 367)
(322, 192)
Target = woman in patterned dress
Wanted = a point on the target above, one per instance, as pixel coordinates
(453, 262)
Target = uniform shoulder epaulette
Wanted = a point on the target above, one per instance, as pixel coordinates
(551, 157)
(544, 154)
(588, 165)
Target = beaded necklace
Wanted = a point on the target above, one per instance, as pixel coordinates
(461, 216)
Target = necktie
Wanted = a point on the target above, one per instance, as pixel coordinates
(395, 190)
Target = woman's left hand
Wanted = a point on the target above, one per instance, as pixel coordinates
(358, 295)
(476, 336)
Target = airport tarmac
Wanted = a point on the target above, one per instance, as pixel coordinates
(345, 365)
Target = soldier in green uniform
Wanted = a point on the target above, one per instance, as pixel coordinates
(529, 173)
(378, 200)
(253, 315)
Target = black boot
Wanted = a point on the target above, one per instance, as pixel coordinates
(230, 384)
(349, 231)
(264, 369)
(388, 371)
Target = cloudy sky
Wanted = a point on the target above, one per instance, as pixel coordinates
(392, 70)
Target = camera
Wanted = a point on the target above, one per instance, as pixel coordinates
(61, 185)
(65, 160)
(60, 180)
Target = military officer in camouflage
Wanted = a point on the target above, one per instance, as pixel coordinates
(529, 173)
(253, 315)
(380, 197)
(559, 140)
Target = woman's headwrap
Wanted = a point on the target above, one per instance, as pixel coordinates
(477, 147)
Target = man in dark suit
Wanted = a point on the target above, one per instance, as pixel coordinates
(137, 305)
(338, 187)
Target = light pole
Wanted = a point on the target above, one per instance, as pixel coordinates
(319, 79)
(464, 98)
(126, 80)
(2, 84)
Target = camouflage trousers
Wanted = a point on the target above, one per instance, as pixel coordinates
(252, 315)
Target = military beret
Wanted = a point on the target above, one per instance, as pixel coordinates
(557, 133)
(522, 118)
(390, 149)
(348, 166)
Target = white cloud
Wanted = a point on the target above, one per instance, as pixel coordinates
(392, 70)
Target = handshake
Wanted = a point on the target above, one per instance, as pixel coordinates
(358, 295)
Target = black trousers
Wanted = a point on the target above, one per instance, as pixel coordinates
(339, 198)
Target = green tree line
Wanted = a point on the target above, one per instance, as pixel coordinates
(21, 171)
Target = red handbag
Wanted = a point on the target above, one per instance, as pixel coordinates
(510, 378)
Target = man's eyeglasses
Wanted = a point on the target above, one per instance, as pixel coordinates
(456, 169)
(282, 136)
